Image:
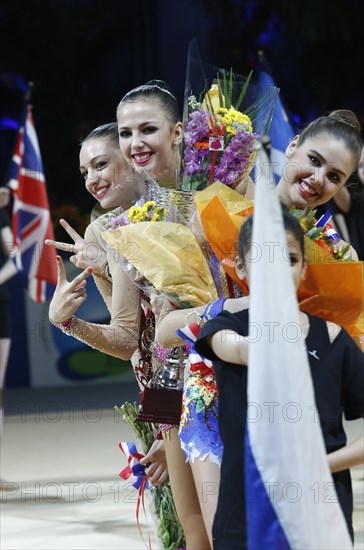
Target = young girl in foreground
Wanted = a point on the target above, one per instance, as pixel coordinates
(337, 373)
(320, 161)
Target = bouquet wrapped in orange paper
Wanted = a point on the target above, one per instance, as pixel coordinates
(332, 288)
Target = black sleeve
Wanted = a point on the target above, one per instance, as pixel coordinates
(4, 219)
(352, 376)
(236, 322)
(4, 222)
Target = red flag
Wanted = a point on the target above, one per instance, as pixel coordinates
(31, 216)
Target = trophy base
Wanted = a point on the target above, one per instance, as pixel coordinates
(161, 406)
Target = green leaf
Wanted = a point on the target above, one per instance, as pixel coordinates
(243, 91)
(203, 92)
(230, 89)
(314, 233)
(226, 91)
(258, 106)
(345, 250)
(297, 212)
(221, 97)
(312, 217)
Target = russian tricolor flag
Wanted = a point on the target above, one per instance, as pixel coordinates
(287, 473)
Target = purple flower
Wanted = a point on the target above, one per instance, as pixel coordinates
(197, 128)
(235, 159)
(193, 164)
(117, 221)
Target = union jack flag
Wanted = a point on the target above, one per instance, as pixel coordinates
(31, 217)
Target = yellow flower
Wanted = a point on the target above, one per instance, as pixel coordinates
(161, 211)
(232, 118)
(132, 213)
(141, 216)
(147, 212)
(214, 99)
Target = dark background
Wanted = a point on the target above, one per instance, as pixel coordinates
(83, 55)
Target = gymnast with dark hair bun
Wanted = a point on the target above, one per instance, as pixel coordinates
(150, 135)
(150, 131)
(320, 160)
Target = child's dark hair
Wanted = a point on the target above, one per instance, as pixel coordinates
(155, 89)
(291, 224)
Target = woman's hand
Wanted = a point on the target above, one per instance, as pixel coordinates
(84, 254)
(68, 296)
(156, 464)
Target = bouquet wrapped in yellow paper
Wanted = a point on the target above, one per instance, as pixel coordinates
(169, 257)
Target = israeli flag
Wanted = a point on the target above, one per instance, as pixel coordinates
(285, 452)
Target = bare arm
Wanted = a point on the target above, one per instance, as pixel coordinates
(120, 337)
(170, 319)
(348, 456)
(229, 346)
(8, 270)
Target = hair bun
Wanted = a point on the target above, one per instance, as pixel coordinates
(155, 90)
(160, 83)
(347, 117)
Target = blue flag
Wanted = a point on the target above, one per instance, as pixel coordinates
(280, 133)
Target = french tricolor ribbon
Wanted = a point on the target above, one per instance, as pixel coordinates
(324, 219)
(134, 469)
(190, 334)
(136, 472)
(327, 229)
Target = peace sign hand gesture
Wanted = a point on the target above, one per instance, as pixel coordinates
(68, 296)
(84, 254)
